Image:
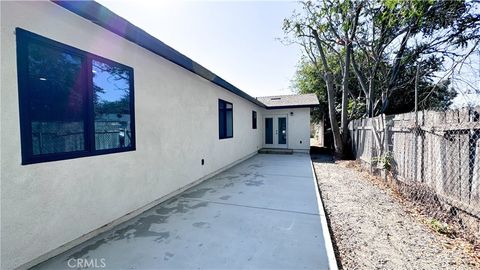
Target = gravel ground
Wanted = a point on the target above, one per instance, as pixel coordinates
(372, 230)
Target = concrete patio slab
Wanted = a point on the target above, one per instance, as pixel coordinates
(279, 192)
(260, 214)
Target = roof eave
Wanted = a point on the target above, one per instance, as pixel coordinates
(112, 22)
(292, 106)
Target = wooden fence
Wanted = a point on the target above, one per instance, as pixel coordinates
(436, 150)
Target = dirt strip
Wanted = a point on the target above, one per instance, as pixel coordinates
(374, 230)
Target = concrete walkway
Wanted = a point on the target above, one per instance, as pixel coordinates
(261, 213)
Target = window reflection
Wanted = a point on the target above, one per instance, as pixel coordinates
(225, 120)
(111, 87)
(56, 100)
(229, 122)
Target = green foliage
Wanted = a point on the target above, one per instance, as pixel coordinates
(386, 160)
(440, 227)
(356, 108)
(121, 106)
(430, 97)
(388, 39)
(307, 80)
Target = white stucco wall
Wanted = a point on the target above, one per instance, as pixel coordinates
(46, 205)
(298, 127)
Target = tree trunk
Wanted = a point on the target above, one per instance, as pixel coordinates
(362, 81)
(370, 101)
(345, 80)
(328, 78)
(337, 138)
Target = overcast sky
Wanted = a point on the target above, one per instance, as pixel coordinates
(235, 40)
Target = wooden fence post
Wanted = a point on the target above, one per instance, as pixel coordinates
(386, 153)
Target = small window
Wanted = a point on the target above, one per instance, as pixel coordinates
(254, 119)
(72, 103)
(225, 119)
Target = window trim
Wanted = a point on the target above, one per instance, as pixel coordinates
(224, 136)
(23, 38)
(254, 119)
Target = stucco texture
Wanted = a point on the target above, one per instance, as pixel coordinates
(298, 127)
(47, 205)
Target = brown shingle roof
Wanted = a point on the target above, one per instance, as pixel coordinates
(304, 100)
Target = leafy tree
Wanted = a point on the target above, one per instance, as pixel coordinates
(377, 46)
(117, 79)
(308, 80)
(325, 30)
(394, 36)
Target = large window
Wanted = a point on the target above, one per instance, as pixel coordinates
(225, 119)
(72, 103)
(254, 119)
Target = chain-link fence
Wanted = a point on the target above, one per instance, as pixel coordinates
(432, 159)
(50, 142)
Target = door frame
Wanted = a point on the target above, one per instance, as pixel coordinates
(275, 130)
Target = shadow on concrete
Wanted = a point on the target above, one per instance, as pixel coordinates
(260, 214)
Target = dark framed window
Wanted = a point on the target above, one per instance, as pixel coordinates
(254, 120)
(225, 119)
(72, 103)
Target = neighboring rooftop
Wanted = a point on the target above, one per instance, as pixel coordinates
(288, 101)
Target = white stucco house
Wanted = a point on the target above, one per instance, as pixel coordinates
(100, 121)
